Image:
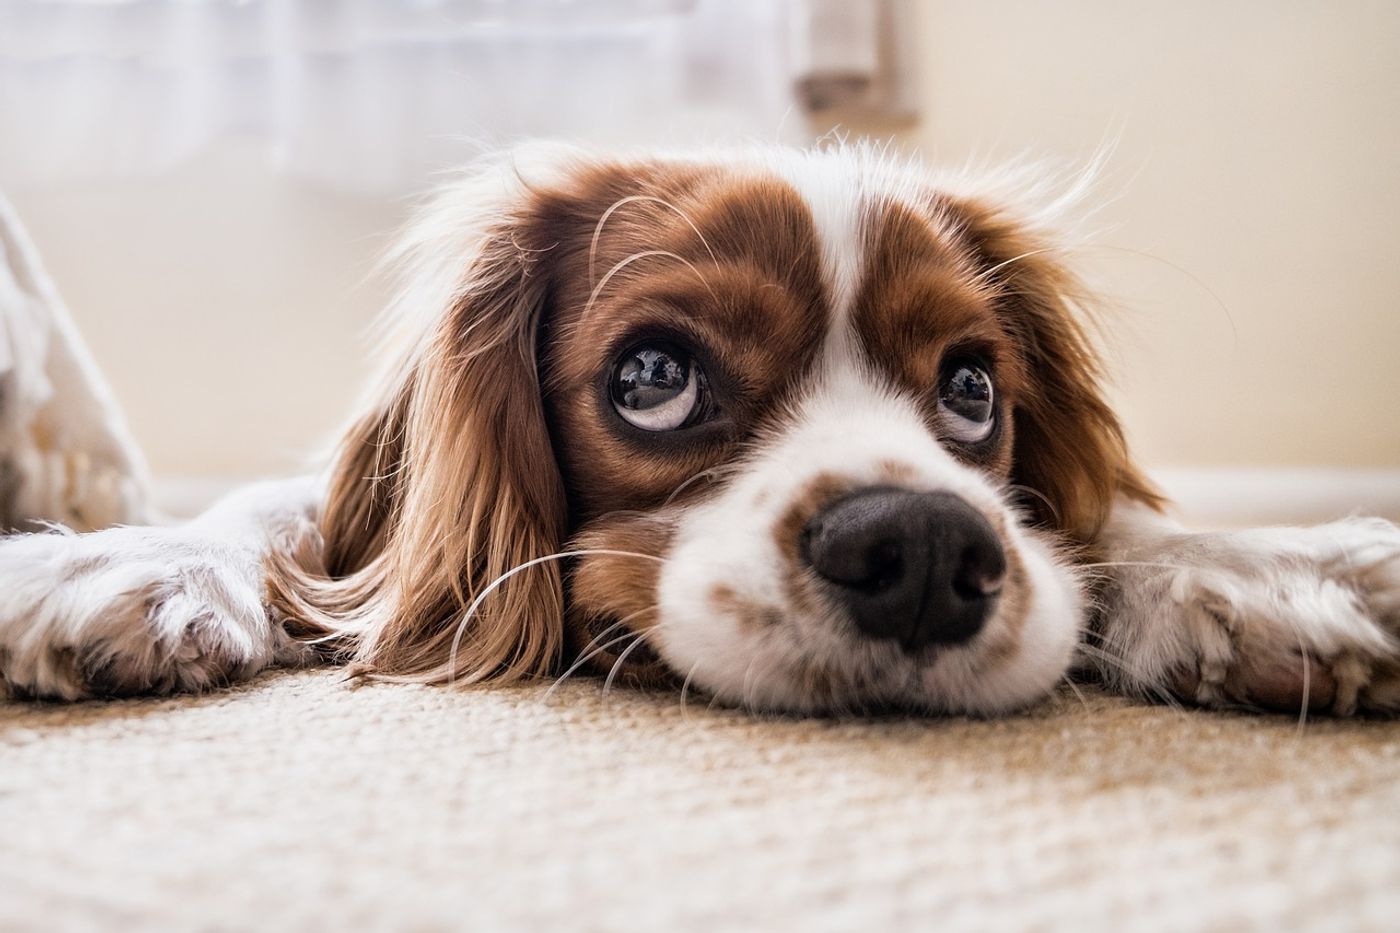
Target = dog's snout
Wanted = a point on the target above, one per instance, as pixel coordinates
(917, 568)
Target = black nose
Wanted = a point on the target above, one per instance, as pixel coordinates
(920, 568)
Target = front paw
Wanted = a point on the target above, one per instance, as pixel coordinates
(1282, 619)
(129, 611)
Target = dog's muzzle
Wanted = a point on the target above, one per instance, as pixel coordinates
(918, 568)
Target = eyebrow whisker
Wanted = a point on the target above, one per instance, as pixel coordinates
(644, 254)
(632, 199)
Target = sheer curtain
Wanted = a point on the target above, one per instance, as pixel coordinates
(374, 94)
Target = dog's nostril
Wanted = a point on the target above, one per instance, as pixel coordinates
(980, 573)
(918, 568)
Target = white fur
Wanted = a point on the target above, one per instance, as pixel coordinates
(848, 426)
(1224, 609)
(143, 610)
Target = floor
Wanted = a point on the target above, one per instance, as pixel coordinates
(299, 802)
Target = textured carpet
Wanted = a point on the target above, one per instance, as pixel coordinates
(300, 803)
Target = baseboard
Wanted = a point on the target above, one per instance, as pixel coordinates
(184, 496)
(1234, 496)
(1207, 496)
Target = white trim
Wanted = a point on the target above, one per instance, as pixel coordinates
(1233, 496)
(187, 496)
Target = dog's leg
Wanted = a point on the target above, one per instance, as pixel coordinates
(151, 610)
(1280, 618)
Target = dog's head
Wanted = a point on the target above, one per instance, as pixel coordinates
(810, 425)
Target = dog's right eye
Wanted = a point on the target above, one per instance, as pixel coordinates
(656, 386)
(965, 398)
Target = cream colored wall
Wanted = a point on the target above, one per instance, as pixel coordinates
(1257, 146)
(226, 304)
(1256, 156)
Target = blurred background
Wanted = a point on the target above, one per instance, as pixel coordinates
(210, 182)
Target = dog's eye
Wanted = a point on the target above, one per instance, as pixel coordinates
(965, 398)
(658, 387)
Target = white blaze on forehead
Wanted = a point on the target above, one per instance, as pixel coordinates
(836, 198)
(757, 642)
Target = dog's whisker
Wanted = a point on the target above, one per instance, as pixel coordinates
(1195, 279)
(1303, 656)
(517, 569)
(1121, 666)
(1131, 563)
(580, 662)
(710, 473)
(1074, 688)
(643, 254)
(587, 652)
(1101, 653)
(746, 683)
(632, 199)
(703, 474)
(622, 658)
(1021, 487)
(1307, 686)
(685, 687)
(990, 273)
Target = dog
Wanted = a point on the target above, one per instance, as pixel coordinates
(808, 431)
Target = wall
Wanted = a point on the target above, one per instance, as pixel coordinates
(1251, 213)
(226, 304)
(1252, 203)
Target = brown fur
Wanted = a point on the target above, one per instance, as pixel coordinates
(1069, 445)
(919, 302)
(443, 489)
(491, 447)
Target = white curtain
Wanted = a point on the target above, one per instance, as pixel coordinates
(374, 94)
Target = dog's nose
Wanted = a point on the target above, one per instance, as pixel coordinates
(919, 568)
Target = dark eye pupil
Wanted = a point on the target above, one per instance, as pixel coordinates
(649, 377)
(968, 393)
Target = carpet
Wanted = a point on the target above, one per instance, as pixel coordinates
(298, 802)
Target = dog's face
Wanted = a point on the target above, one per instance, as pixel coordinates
(802, 420)
(797, 392)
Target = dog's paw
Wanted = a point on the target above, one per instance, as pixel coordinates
(129, 611)
(1282, 618)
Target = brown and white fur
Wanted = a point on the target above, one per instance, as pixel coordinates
(490, 517)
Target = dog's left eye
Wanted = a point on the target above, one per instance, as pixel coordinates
(658, 387)
(965, 397)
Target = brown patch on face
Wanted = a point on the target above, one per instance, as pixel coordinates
(747, 613)
(613, 597)
(822, 490)
(1068, 445)
(919, 305)
(725, 268)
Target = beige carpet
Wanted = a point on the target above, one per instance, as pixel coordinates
(299, 803)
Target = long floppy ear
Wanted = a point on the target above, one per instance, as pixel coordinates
(449, 482)
(1069, 446)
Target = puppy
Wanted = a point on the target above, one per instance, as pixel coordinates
(809, 431)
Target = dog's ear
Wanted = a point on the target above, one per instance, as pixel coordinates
(1069, 445)
(448, 487)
